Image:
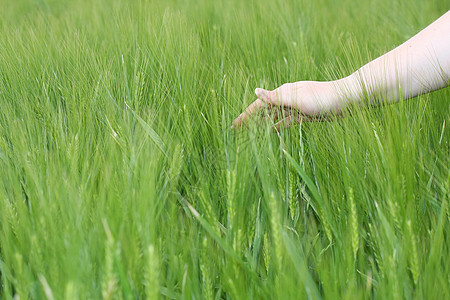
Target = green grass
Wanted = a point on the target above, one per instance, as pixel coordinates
(120, 176)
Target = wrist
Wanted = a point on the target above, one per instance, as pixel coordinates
(348, 89)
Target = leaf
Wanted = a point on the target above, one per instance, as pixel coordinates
(301, 267)
(151, 133)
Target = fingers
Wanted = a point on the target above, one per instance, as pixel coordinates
(288, 118)
(291, 119)
(273, 112)
(285, 123)
(251, 109)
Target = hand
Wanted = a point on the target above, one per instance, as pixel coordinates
(312, 100)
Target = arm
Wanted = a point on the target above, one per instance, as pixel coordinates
(418, 66)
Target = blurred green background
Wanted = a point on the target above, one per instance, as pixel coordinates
(121, 178)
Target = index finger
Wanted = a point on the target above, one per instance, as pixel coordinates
(256, 106)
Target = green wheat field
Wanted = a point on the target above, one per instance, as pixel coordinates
(121, 177)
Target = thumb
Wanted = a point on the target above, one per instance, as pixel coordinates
(263, 94)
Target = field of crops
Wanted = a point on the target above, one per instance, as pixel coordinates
(121, 177)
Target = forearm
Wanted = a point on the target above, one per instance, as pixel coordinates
(418, 66)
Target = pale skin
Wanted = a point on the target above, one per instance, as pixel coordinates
(418, 66)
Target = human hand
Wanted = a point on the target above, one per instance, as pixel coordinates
(292, 102)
